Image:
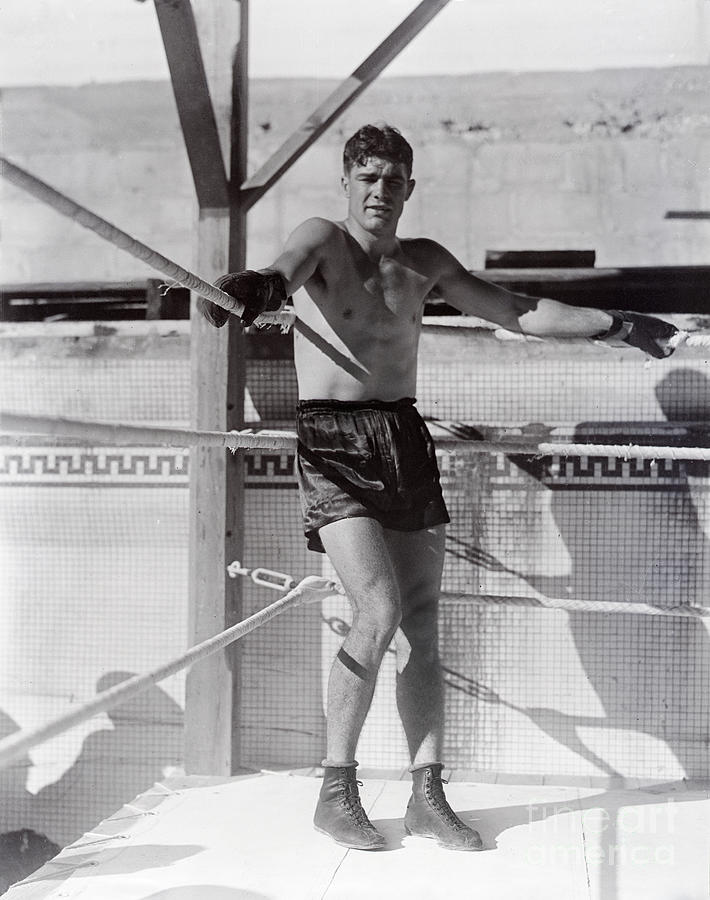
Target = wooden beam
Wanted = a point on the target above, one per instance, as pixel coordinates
(217, 369)
(154, 298)
(236, 363)
(197, 117)
(649, 289)
(540, 259)
(687, 214)
(343, 96)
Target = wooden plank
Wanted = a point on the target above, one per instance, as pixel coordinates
(153, 299)
(236, 360)
(192, 96)
(343, 96)
(687, 214)
(216, 476)
(93, 299)
(534, 259)
(660, 289)
(84, 288)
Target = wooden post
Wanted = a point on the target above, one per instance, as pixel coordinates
(218, 377)
(153, 298)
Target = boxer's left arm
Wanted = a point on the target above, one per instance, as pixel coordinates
(549, 318)
(543, 317)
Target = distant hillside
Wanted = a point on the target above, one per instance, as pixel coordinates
(584, 160)
(518, 106)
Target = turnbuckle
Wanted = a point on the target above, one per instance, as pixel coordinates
(277, 581)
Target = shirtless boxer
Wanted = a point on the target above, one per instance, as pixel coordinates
(367, 473)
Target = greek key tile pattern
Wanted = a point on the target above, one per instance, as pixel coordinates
(133, 466)
(573, 472)
(270, 470)
(151, 465)
(106, 466)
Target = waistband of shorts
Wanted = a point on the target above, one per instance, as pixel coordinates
(305, 406)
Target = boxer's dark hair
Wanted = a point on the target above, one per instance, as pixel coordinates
(372, 140)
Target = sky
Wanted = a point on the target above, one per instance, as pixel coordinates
(79, 41)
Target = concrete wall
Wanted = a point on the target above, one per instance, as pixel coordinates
(583, 160)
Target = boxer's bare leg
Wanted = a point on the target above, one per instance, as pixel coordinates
(418, 560)
(358, 551)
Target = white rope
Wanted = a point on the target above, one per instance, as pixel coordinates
(276, 580)
(616, 451)
(569, 605)
(250, 439)
(698, 340)
(271, 579)
(115, 433)
(17, 745)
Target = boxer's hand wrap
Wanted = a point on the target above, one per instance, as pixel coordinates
(259, 292)
(647, 333)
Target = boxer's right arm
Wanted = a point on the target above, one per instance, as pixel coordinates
(268, 289)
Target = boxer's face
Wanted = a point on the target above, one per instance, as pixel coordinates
(377, 191)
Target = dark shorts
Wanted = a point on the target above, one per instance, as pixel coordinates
(366, 458)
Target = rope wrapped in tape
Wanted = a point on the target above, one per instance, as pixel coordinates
(124, 241)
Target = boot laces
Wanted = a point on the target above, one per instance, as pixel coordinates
(440, 803)
(351, 801)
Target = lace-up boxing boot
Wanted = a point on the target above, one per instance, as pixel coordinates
(429, 814)
(339, 812)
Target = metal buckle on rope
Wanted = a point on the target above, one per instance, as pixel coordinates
(278, 581)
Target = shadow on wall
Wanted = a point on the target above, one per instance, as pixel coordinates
(21, 853)
(649, 546)
(114, 765)
(22, 849)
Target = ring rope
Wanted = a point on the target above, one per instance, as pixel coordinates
(107, 432)
(124, 241)
(275, 580)
(249, 439)
(682, 610)
(309, 589)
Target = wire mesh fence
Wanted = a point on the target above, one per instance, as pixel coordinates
(94, 571)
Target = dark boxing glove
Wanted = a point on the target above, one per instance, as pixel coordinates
(259, 292)
(647, 333)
